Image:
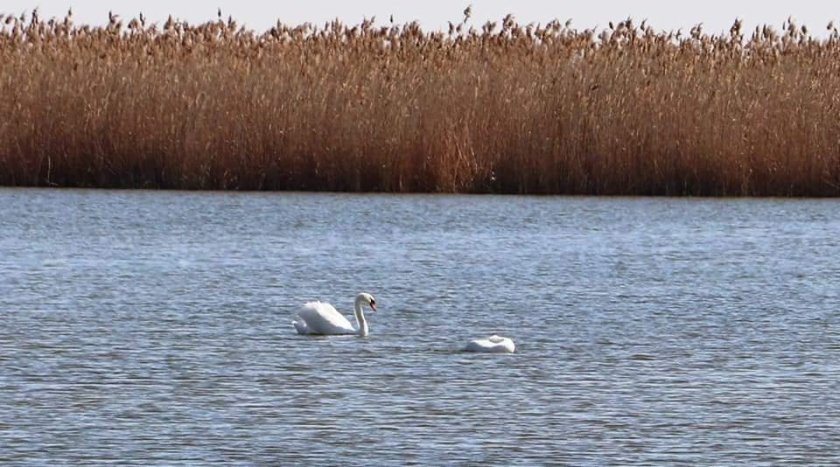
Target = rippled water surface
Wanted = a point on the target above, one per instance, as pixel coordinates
(155, 328)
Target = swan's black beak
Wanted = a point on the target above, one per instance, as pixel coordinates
(373, 306)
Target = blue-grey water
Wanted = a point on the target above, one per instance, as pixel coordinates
(154, 328)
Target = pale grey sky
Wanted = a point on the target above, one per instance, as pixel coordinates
(717, 15)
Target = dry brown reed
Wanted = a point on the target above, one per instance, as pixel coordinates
(505, 108)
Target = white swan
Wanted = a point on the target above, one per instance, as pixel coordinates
(492, 344)
(321, 318)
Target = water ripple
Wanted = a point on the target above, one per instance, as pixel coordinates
(155, 328)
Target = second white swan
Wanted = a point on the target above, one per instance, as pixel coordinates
(321, 318)
(492, 344)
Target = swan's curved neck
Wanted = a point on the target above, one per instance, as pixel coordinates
(360, 318)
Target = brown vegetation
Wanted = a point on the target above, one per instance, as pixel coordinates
(506, 108)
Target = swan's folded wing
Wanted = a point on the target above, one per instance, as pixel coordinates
(323, 318)
(317, 308)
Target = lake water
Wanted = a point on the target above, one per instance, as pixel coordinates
(155, 328)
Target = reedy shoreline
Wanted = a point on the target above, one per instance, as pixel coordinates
(498, 108)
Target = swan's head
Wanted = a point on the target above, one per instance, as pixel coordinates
(366, 299)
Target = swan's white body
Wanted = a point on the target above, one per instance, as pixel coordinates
(492, 344)
(321, 318)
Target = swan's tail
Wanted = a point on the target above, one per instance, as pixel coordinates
(301, 327)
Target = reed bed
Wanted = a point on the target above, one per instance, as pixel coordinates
(500, 107)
